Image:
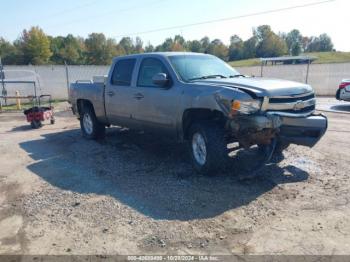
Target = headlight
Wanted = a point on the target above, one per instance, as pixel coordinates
(245, 107)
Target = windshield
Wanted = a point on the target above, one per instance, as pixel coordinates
(193, 67)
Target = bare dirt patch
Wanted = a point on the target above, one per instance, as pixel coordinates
(134, 194)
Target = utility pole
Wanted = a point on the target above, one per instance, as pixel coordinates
(2, 78)
(67, 75)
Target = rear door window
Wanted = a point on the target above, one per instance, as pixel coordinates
(122, 73)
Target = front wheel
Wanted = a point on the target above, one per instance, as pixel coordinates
(90, 126)
(208, 147)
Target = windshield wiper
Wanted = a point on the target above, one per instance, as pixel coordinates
(238, 75)
(206, 77)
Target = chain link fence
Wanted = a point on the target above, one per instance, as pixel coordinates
(50, 79)
(324, 78)
(53, 79)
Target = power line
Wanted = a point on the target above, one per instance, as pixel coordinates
(225, 19)
(69, 10)
(90, 18)
(75, 8)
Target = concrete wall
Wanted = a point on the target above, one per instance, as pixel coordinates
(50, 79)
(324, 78)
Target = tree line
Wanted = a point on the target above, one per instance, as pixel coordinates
(35, 47)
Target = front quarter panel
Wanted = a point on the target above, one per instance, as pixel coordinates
(213, 97)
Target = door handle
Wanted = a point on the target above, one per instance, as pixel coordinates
(138, 96)
(110, 93)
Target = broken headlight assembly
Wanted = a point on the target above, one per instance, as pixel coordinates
(245, 107)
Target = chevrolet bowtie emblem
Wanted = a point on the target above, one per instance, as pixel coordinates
(299, 105)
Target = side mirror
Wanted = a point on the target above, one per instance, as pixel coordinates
(160, 79)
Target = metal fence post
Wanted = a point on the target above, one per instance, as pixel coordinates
(67, 77)
(261, 68)
(307, 71)
(2, 77)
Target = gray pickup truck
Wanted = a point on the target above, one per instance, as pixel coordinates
(200, 99)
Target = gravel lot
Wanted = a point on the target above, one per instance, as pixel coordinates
(134, 194)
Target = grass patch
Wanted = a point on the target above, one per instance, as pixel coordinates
(13, 107)
(245, 62)
(330, 57)
(322, 58)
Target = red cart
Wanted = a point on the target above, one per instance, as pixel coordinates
(37, 114)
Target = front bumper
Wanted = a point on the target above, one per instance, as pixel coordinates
(306, 131)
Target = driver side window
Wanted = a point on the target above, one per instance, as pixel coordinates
(148, 69)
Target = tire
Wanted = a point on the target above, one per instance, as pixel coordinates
(36, 124)
(90, 126)
(281, 146)
(337, 95)
(278, 151)
(212, 137)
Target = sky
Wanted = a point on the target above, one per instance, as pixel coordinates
(118, 18)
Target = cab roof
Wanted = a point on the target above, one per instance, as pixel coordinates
(164, 54)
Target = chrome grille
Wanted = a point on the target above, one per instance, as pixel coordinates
(291, 105)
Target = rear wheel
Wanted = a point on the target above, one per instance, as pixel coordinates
(208, 147)
(90, 126)
(35, 124)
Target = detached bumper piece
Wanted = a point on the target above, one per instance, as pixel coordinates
(306, 131)
(257, 129)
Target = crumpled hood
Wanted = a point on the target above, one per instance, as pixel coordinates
(261, 86)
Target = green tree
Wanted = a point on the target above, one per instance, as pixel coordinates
(99, 50)
(8, 52)
(68, 49)
(194, 46)
(35, 46)
(269, 44)
(294, 41)
(218, 49)
(165, 46)
(149, 48)
(56, 44)
(325, 43)
(179, 43)
(236, 48)
(127, 44)
(305, 42)
(138, 48)
(172, 44)
(205, 43)
(249, 47)
(119, 50)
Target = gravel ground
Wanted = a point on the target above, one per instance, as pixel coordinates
(134, 194)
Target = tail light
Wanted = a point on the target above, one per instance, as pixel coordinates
(343, 85)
